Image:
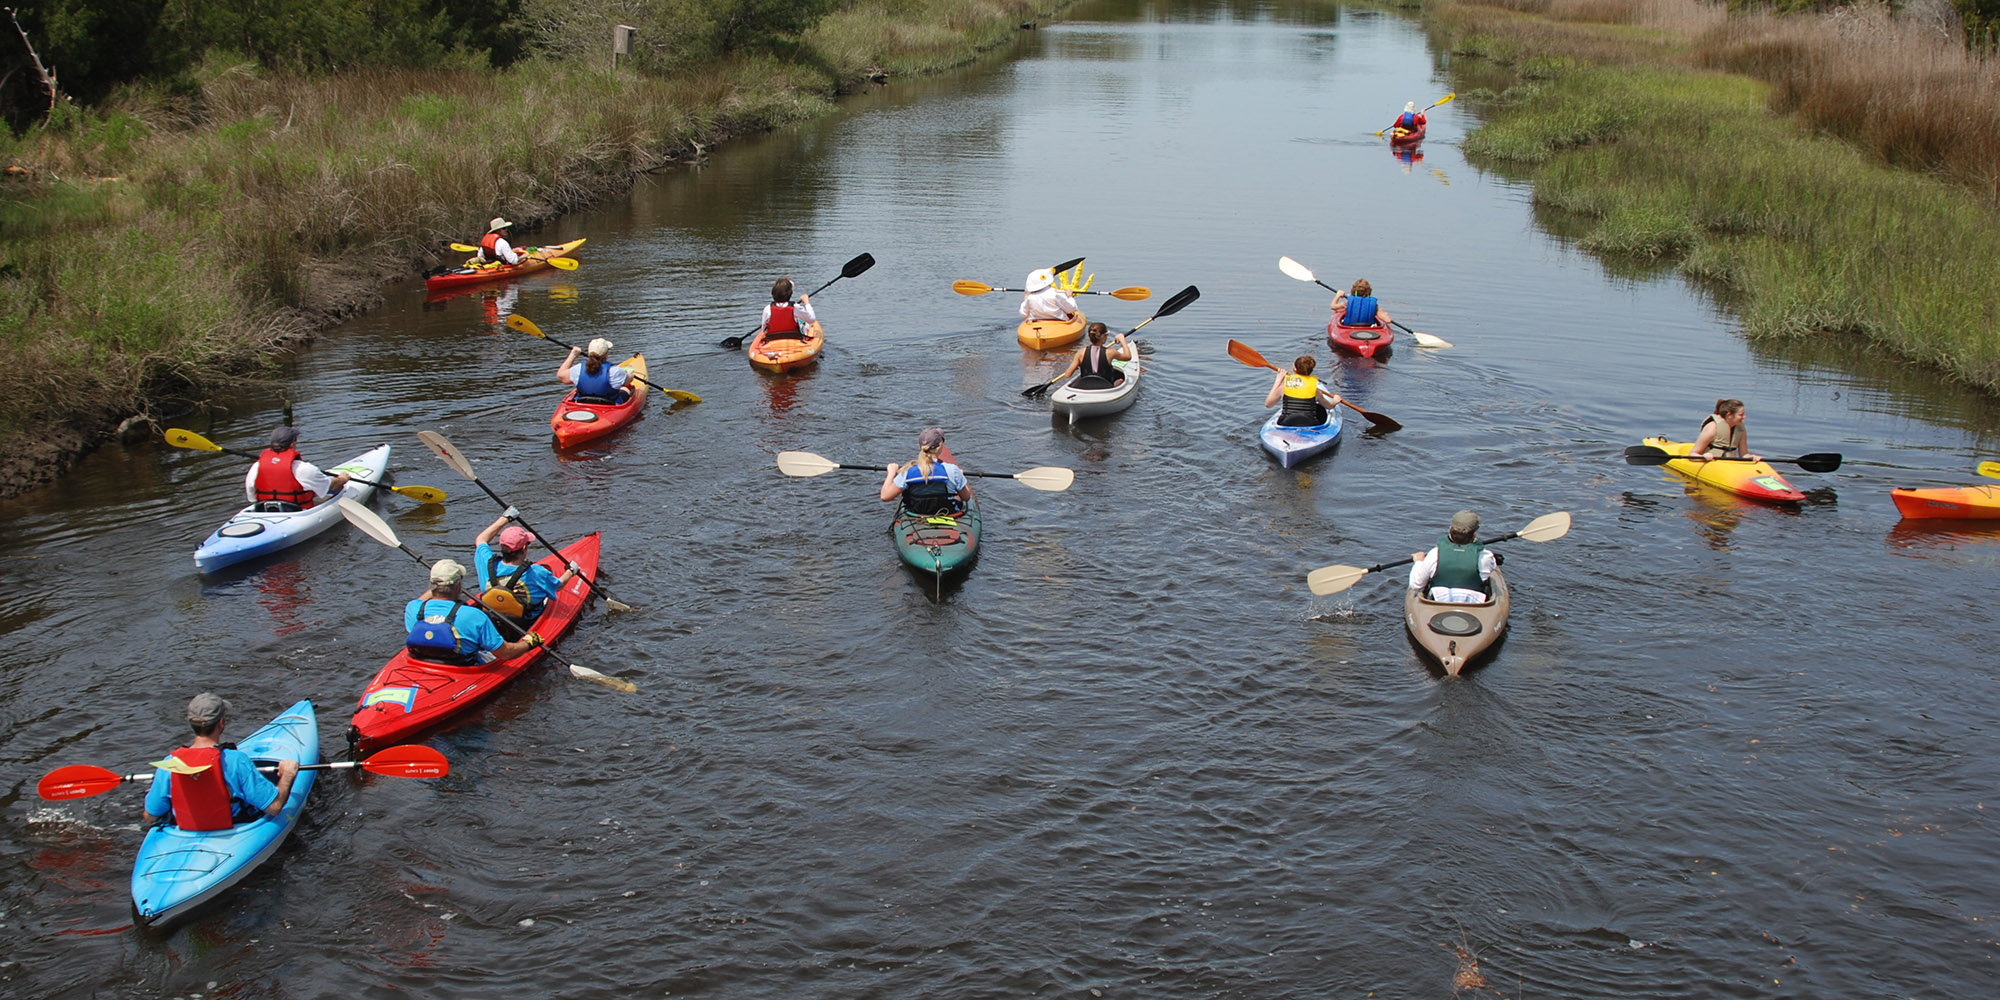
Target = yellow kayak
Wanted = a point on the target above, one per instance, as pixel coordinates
(1756, 480)
(1044, 334)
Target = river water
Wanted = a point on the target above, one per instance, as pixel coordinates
(1727, 750)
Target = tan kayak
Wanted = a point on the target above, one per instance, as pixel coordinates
(1456, 634)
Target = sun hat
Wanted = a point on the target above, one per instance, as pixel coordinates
(513, 538)
(930, 437)
(600, 348)
(447, 572)
(1038, 280)
(284, 437)
(1464, 522)
(1410, 106)
(499, 222)
(205, 708)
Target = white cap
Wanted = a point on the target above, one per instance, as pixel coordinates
(1038, 280)
(599, 348)
(447, 572)
(1410, 106)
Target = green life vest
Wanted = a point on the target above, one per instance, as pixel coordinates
(1458, 565)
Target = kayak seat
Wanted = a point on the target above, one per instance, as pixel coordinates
(276, 507)
(601, 400)
(1092, 382)
(1295, 422)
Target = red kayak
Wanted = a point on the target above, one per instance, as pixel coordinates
(1400, 136)
(474, 273)
(410, 696)
(1364, 341)
(574, 422)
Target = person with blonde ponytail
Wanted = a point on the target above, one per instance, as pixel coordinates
(929, 485)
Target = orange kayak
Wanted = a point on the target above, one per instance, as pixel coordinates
(1982, 502)
(574, 422)
(1044, 334)
(786, 353)
(474, 272)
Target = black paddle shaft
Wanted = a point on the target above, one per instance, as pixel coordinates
(1497, 539)
(592, 584)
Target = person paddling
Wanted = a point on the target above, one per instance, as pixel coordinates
(1043, 300)
(282, 481)
(494, 246)
(216, 786)
(512, 585)
(444, 629)
(1411, 119)
(1359, 308)
(596, 379)
(1305, 403)
(783, 317)
(929, 485)
(1722, 434)
(1458, 567)
(1093, 361)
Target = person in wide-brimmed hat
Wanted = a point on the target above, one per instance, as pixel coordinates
(282, 481)
(1459, 567)
(510, 583)
(494, 246)
(1043, 300)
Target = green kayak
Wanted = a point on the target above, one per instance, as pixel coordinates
(937, 543)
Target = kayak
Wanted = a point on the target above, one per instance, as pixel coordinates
(940, 544)
(1756, 480)
(474, 273)
(1456, 634)
(178, 870)
(1400, 136)
(410, 696)
(574, 422)
(1046, 334)
(1365, 341)
(787, 353)
(252, 533)
(1293, 445)
(1097, 399)
(1968, 502)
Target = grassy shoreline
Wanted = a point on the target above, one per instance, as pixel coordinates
(159, 248)
(1628, 114)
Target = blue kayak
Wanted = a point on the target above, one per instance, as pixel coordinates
(252, 533)
(178, 870)
(1292, 445)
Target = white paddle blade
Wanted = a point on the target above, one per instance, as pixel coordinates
(804, 463)
(448, 452)
(1546, 528)
(614, 683)
(1294, 269)
(1047, 478)
(369, 522)
(1333, 579)
(525, 325)
(1426, 340)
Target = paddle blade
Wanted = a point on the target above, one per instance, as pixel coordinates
(1819, 461)
(682, 395)
(1244, 353)
(563, 263)
(804, 463)
(1136, 293)
(1546, 528)
(1066, 265)
(408, 761)
(1047, 478)
(1178, 301)
(76, 781)
(1333, 579)
(1426, 340)
(1294, 269)
(1446, 99)
(369, 522)
(189, 439)
(525, 325)
(1379, 421)
(463, 247)
(614, 683)
(855, 267)
(1646, 454)
(1991, 470)
(449, 452)
(421, 494)
(971, 287)
(1035, 391)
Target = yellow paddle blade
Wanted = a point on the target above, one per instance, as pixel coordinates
(463, 248)
(615, 683)
(525, 325)
(682, 395)
(1446, 99)
(970, 287)
(1135, 293)
(179, 766)
(421, 494)
(1990, 470)
(1334, 579)
(563, 263)
(189, 439)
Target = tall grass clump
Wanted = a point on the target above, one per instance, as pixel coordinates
(876, 38)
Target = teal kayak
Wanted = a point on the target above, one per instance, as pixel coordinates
(178, 870)
(941, 544)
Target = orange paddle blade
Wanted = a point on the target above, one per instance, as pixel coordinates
(408, 761)
(77, 781)
(1245, 353)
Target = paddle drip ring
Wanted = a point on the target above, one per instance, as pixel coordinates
(241, 529)
(580, 416)
(1454, 623)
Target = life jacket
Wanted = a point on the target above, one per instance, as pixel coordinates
(1458, 565)
(1301, 403)
(1728, 440)
(782, 321)
(1408, 120)
(930, 494)
(489, 246)
(509, 597)
(436, 639)
(595, 388)
(1097, 365)
(201, 801)
(1360, 311)
(275, 481)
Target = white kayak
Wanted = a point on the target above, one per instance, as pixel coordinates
(1094, 398)
(252, 533)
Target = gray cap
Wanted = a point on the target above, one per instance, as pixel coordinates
(1464, 522)
(205, 708)
(447, 572)
(284, 437)
(930, 437)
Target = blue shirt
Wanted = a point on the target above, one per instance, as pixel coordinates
(239, 772)
(542, 584)
(471, 624)
(954, 476)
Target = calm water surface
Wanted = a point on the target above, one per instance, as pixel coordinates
(1728, 750)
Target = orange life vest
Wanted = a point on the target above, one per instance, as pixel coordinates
(276, 482)
(201, 801)
(489, 246)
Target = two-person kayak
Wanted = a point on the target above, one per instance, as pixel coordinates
(252, 533)
(576, 422)
(476, 272)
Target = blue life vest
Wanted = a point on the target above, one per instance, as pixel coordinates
(1408, 120)
(437, 642)
(595, 388)
(930, 494)
(1360, 311)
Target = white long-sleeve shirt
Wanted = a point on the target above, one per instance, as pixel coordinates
(1049, 303)
(1427, 567)
(802, 313)
(305, 472)
(503, 250)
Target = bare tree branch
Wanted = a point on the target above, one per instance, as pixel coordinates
(48, 75)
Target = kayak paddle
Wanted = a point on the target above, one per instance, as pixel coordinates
(1175, 303)
(80, 781)
(1991, 470)
(527, 326)
(559, 263)
(1135, 293)
(1446, 99)
(851, 269)
(1244, 353)
(195, 442)
(1334, 579)
(1294, 269)
(1047, 478)
(1819, 461)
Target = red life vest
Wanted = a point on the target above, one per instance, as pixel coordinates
(201, 801)
(276, 482)
(782, 320)
(489, 246)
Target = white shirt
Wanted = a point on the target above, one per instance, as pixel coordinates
(1427, 567)
(1049, 303)
(802, 313)
(503, 250)
(620, 377)
(305, 472)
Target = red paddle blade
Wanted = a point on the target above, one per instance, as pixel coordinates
(76, 781)
(408, 761)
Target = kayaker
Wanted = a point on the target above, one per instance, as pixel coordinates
(1304, 401)
(1722, 434)
(226, 790)
(1043, 300)
(596, 380)
(443, 628)
(1458, 567)
(1411, 119)
(929, 485)
(282, 481)
(783, 317)
(1094, 361)
(494, 246)
(1359, 308)
(510, 583)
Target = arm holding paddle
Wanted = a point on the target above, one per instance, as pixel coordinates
(1698, 451)
(892, 486)
(492, 533)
